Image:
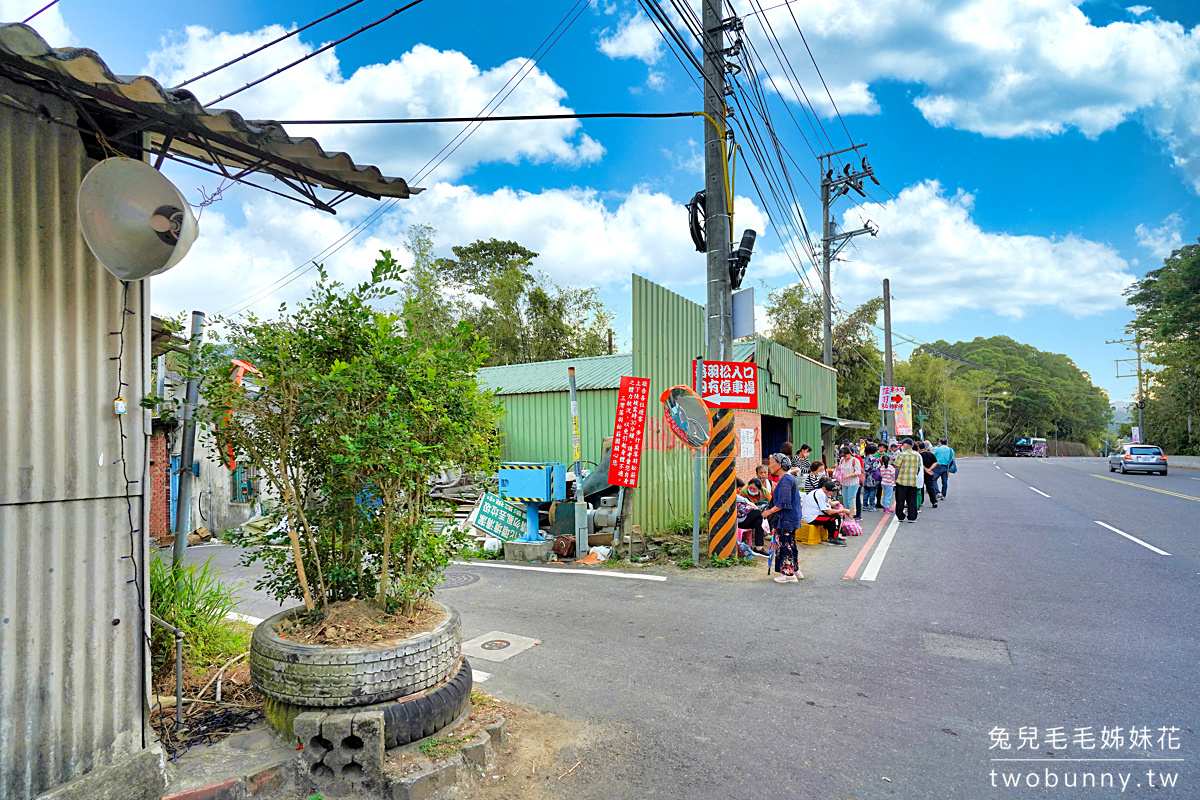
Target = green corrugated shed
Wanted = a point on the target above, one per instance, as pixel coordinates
(668, 333)
(537, 422)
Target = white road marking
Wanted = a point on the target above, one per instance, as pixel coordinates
(604, 574)
(1010, 476)
(872, 570)
(1133, 538)
(479, 676)
(244, 618)
(1039, 491)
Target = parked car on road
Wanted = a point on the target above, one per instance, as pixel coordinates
(1138, 458)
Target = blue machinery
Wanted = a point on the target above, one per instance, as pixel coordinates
(532, 483)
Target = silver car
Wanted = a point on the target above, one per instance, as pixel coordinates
(1138, 458)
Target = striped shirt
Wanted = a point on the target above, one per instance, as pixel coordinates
(887, 476)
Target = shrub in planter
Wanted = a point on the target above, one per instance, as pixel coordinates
(351, 412)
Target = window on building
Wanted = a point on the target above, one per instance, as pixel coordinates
(241, 484)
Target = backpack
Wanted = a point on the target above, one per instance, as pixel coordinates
(874, 474)
(564, 546)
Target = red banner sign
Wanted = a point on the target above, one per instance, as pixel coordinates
(730, 384)
(627, 435)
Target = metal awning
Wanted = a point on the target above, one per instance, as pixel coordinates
(838, 422)
(118, 109)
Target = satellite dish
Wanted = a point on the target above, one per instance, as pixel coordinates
(134, 220)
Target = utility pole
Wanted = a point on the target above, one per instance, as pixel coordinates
(722, 511)
(1136, 343)
(187, 447)
(890, 421)
(833, 186)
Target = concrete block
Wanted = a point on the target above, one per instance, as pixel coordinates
(527, 551)
(139, 776)
(498, 730)
(268, 780)
(479, 753)
(442, 780)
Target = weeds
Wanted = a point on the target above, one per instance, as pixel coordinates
(437, 748)
(192, 599)
(685, 562)
(486, 555)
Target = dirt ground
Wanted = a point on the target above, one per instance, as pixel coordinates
(359, 623)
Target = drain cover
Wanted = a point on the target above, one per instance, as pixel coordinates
(495, 644)
(457, 579)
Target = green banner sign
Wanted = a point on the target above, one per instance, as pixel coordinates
(500, 518)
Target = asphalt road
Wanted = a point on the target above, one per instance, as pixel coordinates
(1002, 609)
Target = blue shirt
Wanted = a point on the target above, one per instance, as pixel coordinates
(786, 498)
(944, 454)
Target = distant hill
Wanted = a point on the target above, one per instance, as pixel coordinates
(1122, 412)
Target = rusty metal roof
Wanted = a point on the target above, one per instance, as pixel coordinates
(120, 107)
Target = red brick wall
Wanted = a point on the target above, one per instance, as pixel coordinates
(160, 485)
(752, 420)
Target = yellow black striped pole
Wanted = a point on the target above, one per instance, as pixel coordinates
(722, 476)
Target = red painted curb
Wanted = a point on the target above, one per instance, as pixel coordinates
(214, 791)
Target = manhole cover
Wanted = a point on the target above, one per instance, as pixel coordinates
(457, 579)
(495, 644)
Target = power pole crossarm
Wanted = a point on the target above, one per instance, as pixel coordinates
(833, 186)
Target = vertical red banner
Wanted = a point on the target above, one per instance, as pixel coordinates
(628, 432)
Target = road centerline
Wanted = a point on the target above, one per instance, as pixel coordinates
(1039, 491)
(1148, 488)
(872, 570)
(1132, 538)
(1010, 476)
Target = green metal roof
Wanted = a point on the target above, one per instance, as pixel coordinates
(598, 372)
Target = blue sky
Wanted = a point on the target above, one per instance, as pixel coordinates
(1041, 155)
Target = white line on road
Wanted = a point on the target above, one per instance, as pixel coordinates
(479, 676)
(1010, 476)
(244, 618)
(876, 561)
(605, 574)
(1039, 491)
(1133, 538)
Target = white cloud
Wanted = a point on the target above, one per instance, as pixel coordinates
(1137, 11)
(423, 82)
(635, 37)
(940, 261)
(1002, 68)
(50, 23)
(1164, 239)
(583, 238)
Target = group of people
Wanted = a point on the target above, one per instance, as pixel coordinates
(866, 477)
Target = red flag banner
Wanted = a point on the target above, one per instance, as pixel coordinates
(628, 432)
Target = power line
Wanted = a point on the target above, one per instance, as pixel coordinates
(317, 52)
(819, 75)
(40, 10)
(271, 43)
(504, 118)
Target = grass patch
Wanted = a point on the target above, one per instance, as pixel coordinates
(192, 599)
(482, 700)
(685, 562)
(484, 555)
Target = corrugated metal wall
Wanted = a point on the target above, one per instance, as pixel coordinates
(668, 332)
(71, 631)
(537, 426)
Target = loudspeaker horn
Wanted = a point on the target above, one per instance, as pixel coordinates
(134, 220)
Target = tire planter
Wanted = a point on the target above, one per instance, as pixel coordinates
(319, 677)
(406, 719)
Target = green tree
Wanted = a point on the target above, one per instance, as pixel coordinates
(796, 321)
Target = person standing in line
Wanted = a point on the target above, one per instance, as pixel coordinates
(944, 454)
(909, 470)
(870, 492)
(849, 475)
(928, 462)
(858, 497)
(887, 483)
(784, 514)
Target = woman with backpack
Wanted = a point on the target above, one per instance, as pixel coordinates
(871, 478)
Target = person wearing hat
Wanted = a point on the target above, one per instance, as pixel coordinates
(910, 471)
(817, 509)
(784, 515)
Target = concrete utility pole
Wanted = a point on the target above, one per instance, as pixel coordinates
(1141, 397)
(187, 447)
(722, 510)
(890, 421)
(833, 186)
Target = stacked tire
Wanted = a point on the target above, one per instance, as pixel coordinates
(421, 684)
